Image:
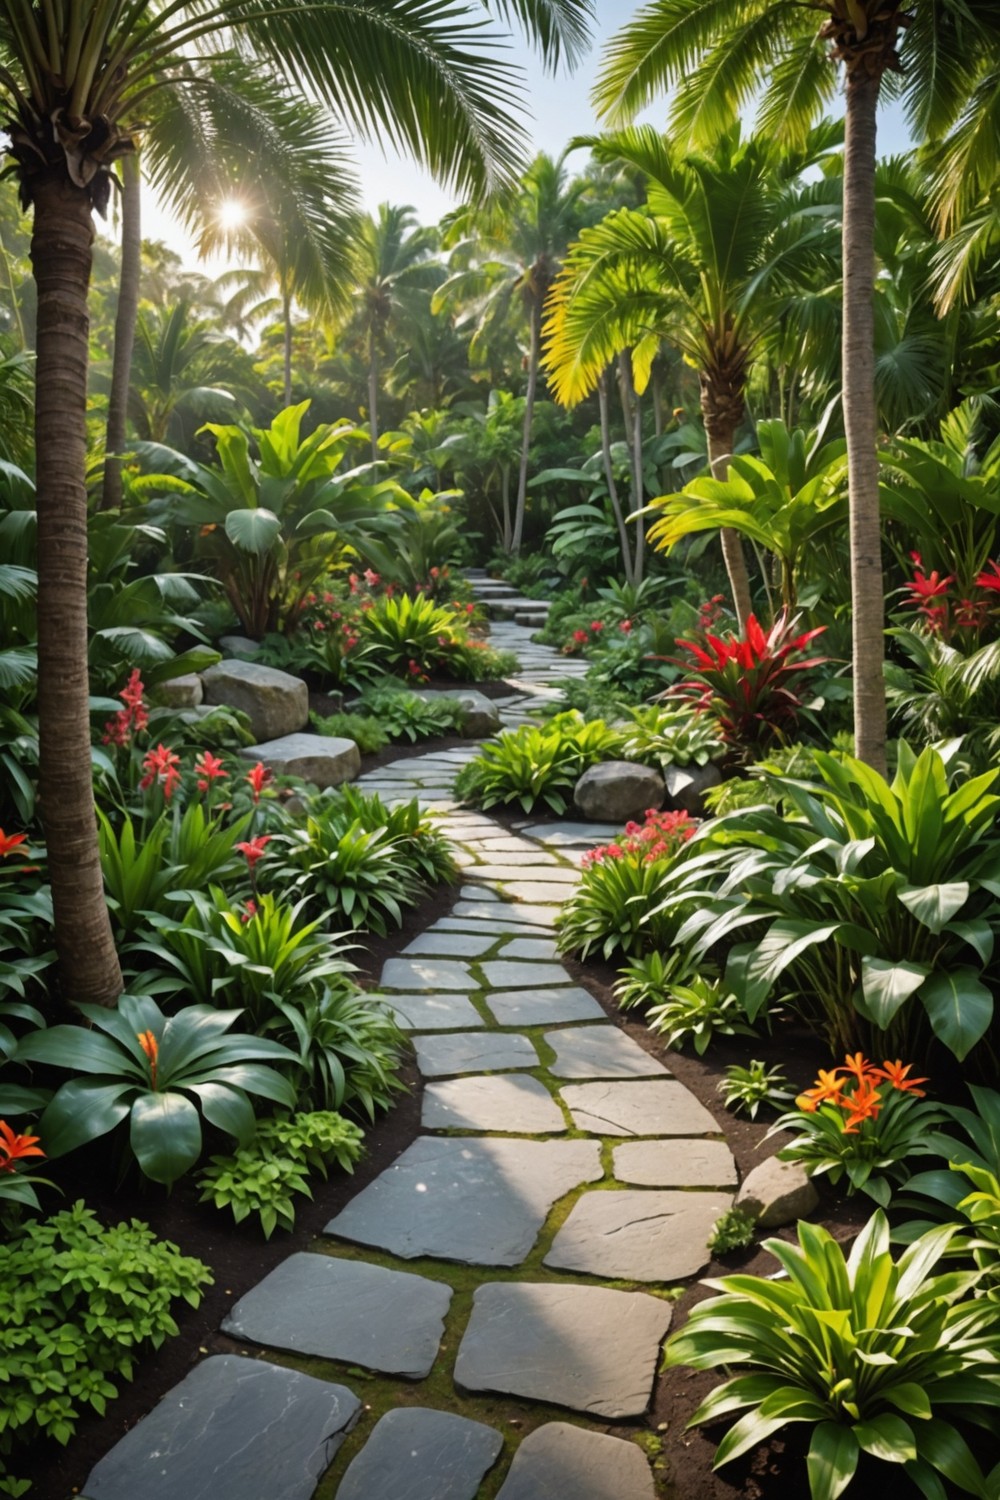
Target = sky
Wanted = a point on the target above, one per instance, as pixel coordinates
(559, 109)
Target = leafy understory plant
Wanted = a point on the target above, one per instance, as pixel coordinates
(733, 1230)
(261, 1178)
(750, 1087)
(879, 1356)
(661, 734)
(534, 766)
(697, 1012)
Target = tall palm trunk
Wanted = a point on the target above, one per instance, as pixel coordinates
(721, 411)
(624, 541)
(534, 360)
(373, 390)
(858, 380)
(61, 252)
(286, 313)
(125, 319)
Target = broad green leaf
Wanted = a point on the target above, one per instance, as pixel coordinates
(227, 1108)
(960, 1008)
(831, 1461)
(887, 1437)
(886, 986)
(80, 1051)
(941, 1445)
(784, 941)
(166, 1135)
(935, 905)
(253, 530)
(81, 1111)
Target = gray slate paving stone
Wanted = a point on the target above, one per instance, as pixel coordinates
(549, 873)
(509, 975)
(675, 1164)
(540, 948)
(359, 1314)
(490, 909)
(512, 1102)
(591, 1349)
(426, 974)
(638, 1235)
(434, 1012)
(644, 1107)
(415, 1453)
(543, 1007)
(571, 835)
(473, 1052)
(450, 945)
(477, 1201)
(234, 1429)
(536, 892)
(482, 925)
(560, 1462)
(600, 1052)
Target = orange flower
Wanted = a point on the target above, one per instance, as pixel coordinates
(14, 1147)
(826, 1090)
(151, 1047)
(862, 1069)
(895, 1073)
(10, 841)
(864, 1105)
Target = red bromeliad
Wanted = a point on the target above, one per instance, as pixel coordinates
(259, 777)
(209, 768)
(10, 841)
(130, 720)
(161, 765)
(14, 1147)
(253, 849)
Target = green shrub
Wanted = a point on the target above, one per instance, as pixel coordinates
(697, 1012)
(536, 766)
(879, 1357)
(670, 736)
(78, 1303)
(347, 1049)
(404, 715)
(733, 1230)
(410, 636)
(367, 732)
(262, 1177)
(750, 1087)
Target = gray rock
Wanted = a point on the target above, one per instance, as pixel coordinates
(511, 1102)
(181, 692)
(480, 717)
(234, 1429)
(346, 1310)
(557, 1461)
(675, 1164)
(473, 1052)
(776, 1193)
(618, 790)
(589, 1348)
(321, 759)
(415, 1453)
(239, 646)
(656, 1107)
(275, 702)
(632, 1235)
(427, 974)
(600, 1052)
(543, 1007)
(687, 785)
(481, 1202)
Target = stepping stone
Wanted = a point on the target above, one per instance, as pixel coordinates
(589, 1348)
(450, 945)
(570, 835)
(541, 948)
(490, 909)
(426, 974)
(479, 925)
(632, 1235)
(558, 1461)
(415, 1453)
(534, 891)
(514, 1102)
(600, 1052)
(434, 1012)
(548, 872)
(505, 974)
(675, 1164)
(657, 1107)
(481, 1202)
(476, 893)
(544, 1007)
(234, 1429)
(346, 1310)
(475, 1052)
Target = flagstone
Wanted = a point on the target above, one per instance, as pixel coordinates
(426, 974)
(638, 1235)
(513, 1102)
(434, 1012)
(415, 1453)
(644, 1107)
(543, 1007)
(559, 1461)
(600, 1052)
(473, 1052)
(675, 1163)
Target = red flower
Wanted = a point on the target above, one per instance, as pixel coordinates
(626, 626)
(371, 577)
(249, 912)
(209, 768)
(581, 637)
(597, 626)
(10, 841)
(151, 1047)
(161, 765)
(132, 719)
(14, 1147)
(259, 777)
(254, 848)
(989, 578)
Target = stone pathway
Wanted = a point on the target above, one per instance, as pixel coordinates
(516, 1258)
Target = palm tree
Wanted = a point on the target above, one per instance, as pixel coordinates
(705, 268)
(715, 55)
(71, 77)
(183, 367)
(509, 260)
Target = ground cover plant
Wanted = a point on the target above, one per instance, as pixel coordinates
(535, 767)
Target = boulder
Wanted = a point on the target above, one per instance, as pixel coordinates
(618, 790)
(240, 646)
(687, 785)
(480, 717)
(321, 759)
(181, 692)
(275, 702)
(777, 1193)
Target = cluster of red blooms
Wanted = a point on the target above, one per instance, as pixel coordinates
(930, 595)
(710, 612)
(659, 837)
(857, 1088)
(253, 850)
(14, 1147)
(130, 720)
(163, 766)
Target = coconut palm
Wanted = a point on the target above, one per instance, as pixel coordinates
(706, 267)
(715, 55)
(507, 261)
(420, 72)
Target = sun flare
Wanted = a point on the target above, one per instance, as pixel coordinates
(233, 214)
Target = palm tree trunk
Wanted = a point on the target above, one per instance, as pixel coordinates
(286, 313)
(128, 310)
(373, 391)
(508, 531)
(61, 251)
(534, 360)
(720, 419)
(638, 487)
(609, 474)
(860, 425)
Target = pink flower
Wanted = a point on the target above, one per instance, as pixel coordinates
(625, 626)
(371, 577)
(253, 849)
